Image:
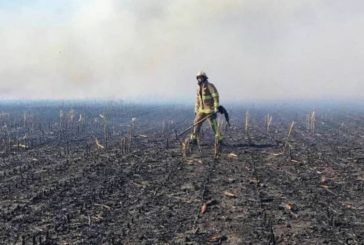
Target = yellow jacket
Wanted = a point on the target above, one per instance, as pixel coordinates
(207, 98)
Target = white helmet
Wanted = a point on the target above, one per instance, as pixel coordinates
(201, 74)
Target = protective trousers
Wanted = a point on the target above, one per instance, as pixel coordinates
(213, 123)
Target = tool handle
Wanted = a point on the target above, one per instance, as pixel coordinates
(193, 125)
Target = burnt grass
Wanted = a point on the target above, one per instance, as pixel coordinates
(58, 187)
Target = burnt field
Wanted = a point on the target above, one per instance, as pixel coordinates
(114, 173)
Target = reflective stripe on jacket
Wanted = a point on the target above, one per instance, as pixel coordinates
(207, 98)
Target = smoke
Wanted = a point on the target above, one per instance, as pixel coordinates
(259, 49)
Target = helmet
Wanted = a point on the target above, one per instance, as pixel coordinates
(201, 74)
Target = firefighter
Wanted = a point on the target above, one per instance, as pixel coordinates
(207, 102)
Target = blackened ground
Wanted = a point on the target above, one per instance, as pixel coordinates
(58, 187)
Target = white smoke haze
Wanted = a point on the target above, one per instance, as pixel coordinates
(259, 49)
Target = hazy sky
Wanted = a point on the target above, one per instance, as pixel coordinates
(250, 49)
